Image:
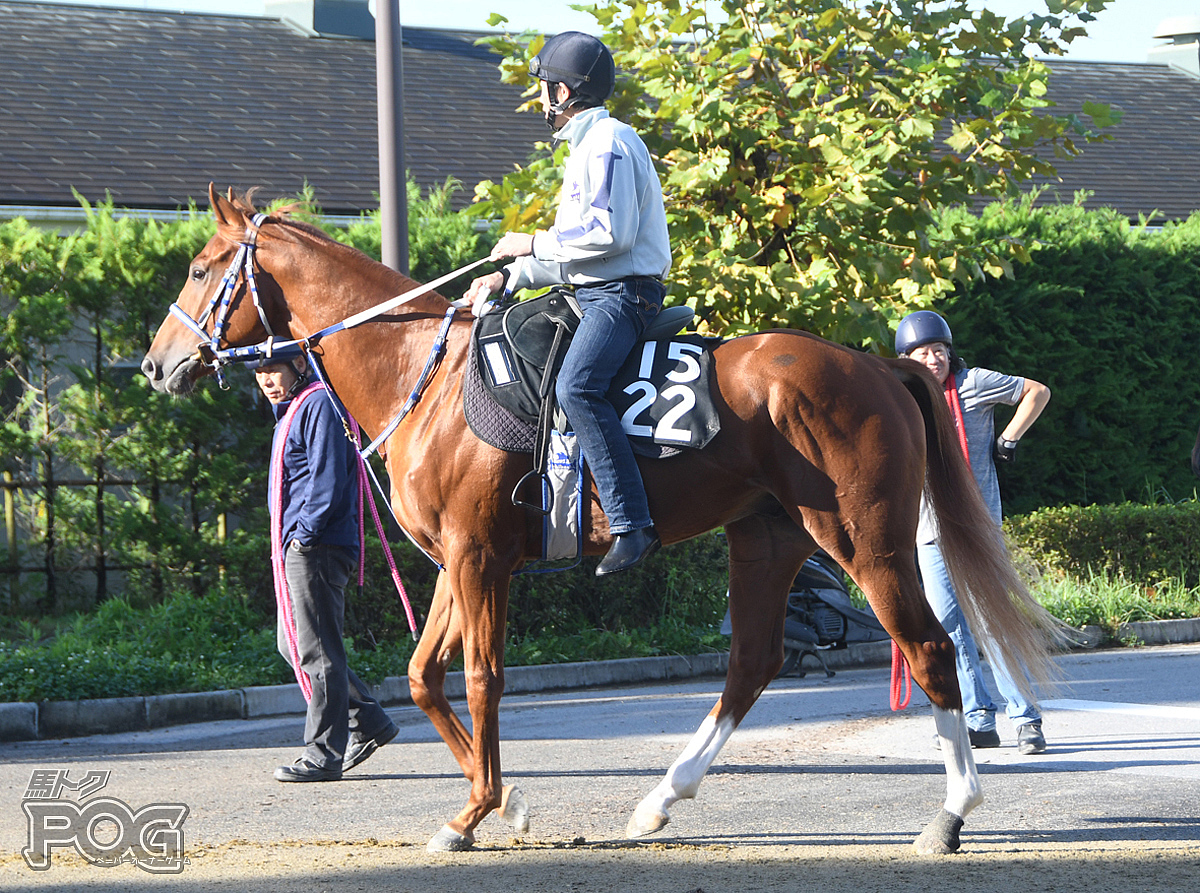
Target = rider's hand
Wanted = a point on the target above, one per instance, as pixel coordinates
(482, 289)
(1006, 450)
(512, 245)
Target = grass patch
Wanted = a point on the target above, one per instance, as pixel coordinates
(1107, 600)
(219, 642)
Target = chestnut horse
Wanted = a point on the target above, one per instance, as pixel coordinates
(819, 445)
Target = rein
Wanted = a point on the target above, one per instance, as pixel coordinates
(211, 353)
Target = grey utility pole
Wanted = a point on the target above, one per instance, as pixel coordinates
(389, 88)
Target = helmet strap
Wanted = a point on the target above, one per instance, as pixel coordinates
(559, 108)
(555, 109)
(298, 384)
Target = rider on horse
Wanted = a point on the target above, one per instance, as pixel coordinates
(609, 240)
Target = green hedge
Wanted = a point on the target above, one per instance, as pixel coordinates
(1145, 543)
(1101, 565)
(1107, 316)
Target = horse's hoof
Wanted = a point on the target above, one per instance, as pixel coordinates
(449, 841)
(940, 837)
(646, 820)
(514, 809)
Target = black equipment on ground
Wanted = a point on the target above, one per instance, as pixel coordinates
(820, 616)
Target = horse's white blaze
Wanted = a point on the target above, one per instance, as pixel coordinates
(962, 778)
(683, 778)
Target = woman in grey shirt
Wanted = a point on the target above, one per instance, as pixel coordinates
(972, 394)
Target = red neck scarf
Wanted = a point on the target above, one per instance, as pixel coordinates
(951, 393)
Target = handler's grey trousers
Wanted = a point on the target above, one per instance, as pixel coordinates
(341, 703)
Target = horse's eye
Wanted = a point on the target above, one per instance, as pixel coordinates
(199, 273)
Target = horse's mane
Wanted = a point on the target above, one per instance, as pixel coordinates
(244, 202)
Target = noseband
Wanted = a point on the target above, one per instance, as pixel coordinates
(209, 350)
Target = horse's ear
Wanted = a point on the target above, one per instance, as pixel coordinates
(224, 210)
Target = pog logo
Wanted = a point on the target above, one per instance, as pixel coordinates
(104, 830)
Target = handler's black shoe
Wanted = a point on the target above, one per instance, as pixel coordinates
(629, 550)
(986, 738)
(989, 738)
(1030, 739)
(360, 748)
(303, 770)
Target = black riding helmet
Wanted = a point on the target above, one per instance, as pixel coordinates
(283, 357)
(581, 62)
(926, 327)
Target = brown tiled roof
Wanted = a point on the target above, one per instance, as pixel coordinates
(150, 106)
(1151, 163)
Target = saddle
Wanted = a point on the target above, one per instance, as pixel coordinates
(661, 392)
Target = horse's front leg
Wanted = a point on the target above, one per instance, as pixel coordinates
(440, 643)
(480, 608)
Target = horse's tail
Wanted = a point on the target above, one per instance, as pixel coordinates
(1008, 622)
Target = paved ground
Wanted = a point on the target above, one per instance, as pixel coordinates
(822, 786)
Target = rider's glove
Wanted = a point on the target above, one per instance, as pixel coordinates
(1006, 450)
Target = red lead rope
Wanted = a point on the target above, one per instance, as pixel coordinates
(901, 679)
(901, 673)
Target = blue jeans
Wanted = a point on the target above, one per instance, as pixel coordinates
(341, 703)
(614, 316)
(977, 703)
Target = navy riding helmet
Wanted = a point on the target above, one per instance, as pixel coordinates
(581, 62)
(921, 327)
(281, 356)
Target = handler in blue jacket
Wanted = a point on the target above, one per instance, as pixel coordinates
(313, 497)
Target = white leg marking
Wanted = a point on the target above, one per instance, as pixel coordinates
(683, 778)
(514, 809)
(962, 778)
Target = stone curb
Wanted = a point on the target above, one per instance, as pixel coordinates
(68, 719)
(18, 722)
(1160, 632)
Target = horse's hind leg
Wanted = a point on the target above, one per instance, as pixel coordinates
(765, 552)
(894, 592)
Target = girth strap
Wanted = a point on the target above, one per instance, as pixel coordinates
(541, 447)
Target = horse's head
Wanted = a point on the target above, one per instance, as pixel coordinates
(179, 356)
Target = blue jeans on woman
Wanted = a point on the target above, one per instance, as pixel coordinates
(977, 703)
(614, 316)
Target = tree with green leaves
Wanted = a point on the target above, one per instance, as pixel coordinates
(111, 482)
(807, 145)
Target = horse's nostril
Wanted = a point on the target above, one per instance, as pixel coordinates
(150, 369)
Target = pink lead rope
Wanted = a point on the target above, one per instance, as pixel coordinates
(283, 599)
(368, 495)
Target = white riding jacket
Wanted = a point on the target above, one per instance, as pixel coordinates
(610, 222)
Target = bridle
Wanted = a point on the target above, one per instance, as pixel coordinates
(209, 351)
(212, 355)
